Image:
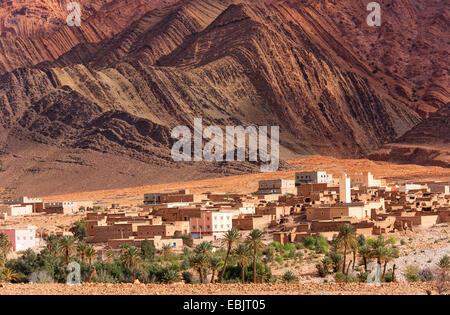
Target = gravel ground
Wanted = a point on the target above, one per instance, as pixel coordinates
(220, 289)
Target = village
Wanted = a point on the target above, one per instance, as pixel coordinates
(313, 206)
(286, 210)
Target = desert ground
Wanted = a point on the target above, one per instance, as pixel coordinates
(220, 289)
(249, 183)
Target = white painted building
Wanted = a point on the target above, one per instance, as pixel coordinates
(16, 210)
(345, 190)
(22, 238)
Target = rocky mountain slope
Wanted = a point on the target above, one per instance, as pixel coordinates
(135, 69)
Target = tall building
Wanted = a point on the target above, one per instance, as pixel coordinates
(345, 190)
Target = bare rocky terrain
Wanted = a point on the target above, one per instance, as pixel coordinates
(219, 289)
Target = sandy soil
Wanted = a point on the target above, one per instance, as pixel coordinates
(249, 183)
(219, 289)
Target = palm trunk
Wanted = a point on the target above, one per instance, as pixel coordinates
(225, 264)
(348, 268)
(242, 274)
(384, 269)
(212, 276)
(345, 256)
(393, 273)
(254, 265)
(90, 271)
(354, 259)
(200, 272)
(365, 263)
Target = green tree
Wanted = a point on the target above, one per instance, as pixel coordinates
(81, 247)
(200, 262)
(242, 254)
(8, 275)
(254, 241)
(346, 239)
(91, 255)
(230, 239)
(166, 251)
(214, 265)
(130, 258)
(204, 248)
(148, 250)
(79, 230)
(52, 242)
(66, 247)
(5, 245)
(365, 253)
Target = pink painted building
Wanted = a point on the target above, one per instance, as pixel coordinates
(211, 223)
(21, 238)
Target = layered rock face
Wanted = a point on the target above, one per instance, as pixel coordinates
(119, 83)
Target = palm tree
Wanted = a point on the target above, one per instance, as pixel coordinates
(130, 258)
(242, 253)
(254, 240)
(391, 254)
(214, 264)
(51, 243)
(81, 249)
(90, 254)
(5, 245)
(66, 246)
(204, 248)
(199, 262)
(365, 252)
(166, 250)
(346, 239)
(109, 256)
(9, 275)
(230, 239)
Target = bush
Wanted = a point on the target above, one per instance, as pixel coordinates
(309, 242)
(321, 270)
(389, 276)
(444, 263)
(411, 274)
(425, 275)
(169, 275)
(340, 277)
(289, 277)
(289, 247)
(188, 277)
(148, 250)
(321, 244)
(279, 259)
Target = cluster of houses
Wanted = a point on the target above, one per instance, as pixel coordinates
(287, 210)
(27, 206)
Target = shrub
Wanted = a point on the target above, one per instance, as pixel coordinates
(321, 270)
(309, 242)
(444, 263)
(169, 275)
(425, 275)
(188, 277)
(411, 274)
(321, 244)
(389, 276)
(340, 277)
(279, 259)
(289, 277)
(289, 247)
